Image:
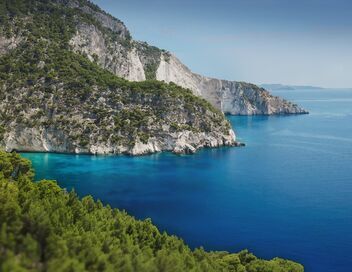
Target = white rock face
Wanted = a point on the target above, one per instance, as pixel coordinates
(237, 98)
(136, 70)
(52, 140)
(173, 70)
(230, 97)
(37, 140)
(7, 44)
(111, 56)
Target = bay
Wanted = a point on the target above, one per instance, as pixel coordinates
(287, 193)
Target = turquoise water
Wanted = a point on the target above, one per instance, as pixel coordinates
(287, 193)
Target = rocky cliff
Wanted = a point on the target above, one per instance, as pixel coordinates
(49, 117)
(56, 98)
(231, 97)
(138, 61)
(73, 80)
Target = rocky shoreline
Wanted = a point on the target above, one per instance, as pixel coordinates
(182, 143)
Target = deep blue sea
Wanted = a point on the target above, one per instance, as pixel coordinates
(287, 193)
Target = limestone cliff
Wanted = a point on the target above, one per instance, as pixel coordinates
(48, 117)
(54, 98)
(63, 87)
(231, 97)
(138, 61)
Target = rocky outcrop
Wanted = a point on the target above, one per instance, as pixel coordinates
(52, 118)
(52, 140)
(7, 44)
(138, 61)
(112, 56)
(231, 97)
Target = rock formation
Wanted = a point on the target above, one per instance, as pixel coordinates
(134, 59)
(73, 81)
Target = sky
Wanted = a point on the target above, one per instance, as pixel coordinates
(296, 42)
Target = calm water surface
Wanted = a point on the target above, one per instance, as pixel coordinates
(288, 193)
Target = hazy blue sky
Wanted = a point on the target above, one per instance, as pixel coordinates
(260, 41)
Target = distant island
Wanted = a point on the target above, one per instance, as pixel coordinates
(279, 87)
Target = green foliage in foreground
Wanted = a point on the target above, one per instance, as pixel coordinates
(44, 228)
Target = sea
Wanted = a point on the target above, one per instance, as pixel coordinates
(288, 193)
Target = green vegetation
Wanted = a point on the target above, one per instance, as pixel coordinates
(150, 57)
(45, 228)
(133, 121)
(167, 56)
(2, 132)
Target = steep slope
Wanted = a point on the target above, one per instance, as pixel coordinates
(55, 99)
(232, 97)
(139, 61)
